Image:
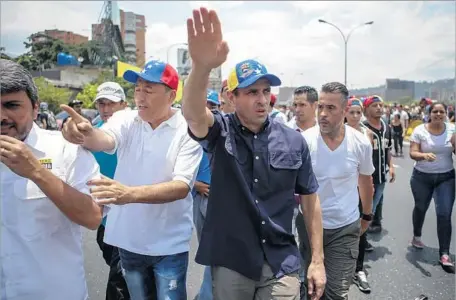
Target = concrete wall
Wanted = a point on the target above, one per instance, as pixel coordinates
(70, 76)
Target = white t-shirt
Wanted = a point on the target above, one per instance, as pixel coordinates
(149, 156)
(293, 125)
(337, 174)
(440, 145)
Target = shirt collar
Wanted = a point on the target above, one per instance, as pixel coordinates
(33, 141)
(173, 122)
(237, 122)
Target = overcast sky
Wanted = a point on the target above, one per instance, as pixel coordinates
(409, 40)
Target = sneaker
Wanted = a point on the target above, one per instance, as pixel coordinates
(360, 279)
(369, 247)
(374, 229)
(446, 263)
(417, 243)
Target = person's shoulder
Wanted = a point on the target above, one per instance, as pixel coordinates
(420, 128)
(357, 136)
(312, 132)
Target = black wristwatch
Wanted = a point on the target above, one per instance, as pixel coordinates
(368, 217)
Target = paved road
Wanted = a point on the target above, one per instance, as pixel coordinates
(396, 271)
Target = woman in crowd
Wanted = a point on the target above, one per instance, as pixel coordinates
(398, 134)
(353, 119)
(431, 146)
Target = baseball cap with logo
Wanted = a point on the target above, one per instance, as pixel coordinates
(212, 97)
(111, 91)
(248, 72)
(157, 72)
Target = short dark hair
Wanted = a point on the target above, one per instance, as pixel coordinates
(336, 88)
(312, 94)
(15, 78)
(437, 103)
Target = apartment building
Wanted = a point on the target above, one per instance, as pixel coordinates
(67, 37)
(133, 31)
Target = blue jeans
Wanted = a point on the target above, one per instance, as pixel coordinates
(440, 186)
(199, 215)
(170, 274)
(378, 194)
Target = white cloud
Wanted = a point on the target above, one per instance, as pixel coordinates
(407, 40)
(30, 17)
(399, 43)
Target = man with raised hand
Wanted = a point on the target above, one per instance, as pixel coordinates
(258, 165)
(150, 220)
(44, 199)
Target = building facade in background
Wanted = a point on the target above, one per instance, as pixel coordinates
(396, 90)
(133, 31)
(67, 37)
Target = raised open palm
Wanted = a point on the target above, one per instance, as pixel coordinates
(205, 40)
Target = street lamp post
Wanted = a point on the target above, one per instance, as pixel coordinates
(346, 38)
(171, 46)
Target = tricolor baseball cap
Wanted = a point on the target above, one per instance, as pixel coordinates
(372, 99)
(157, 72)
(248, 72)
(111, 91)
(212, 97)
(354, 102)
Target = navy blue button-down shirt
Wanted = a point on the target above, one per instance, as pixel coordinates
(251, 203)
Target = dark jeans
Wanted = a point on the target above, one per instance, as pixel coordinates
(170, 274)
(377, 205)
(442, 187)
(305, 250)
(362, 245)
(398, 141)
(116, 288)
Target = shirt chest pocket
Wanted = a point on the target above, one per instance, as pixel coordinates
(284, 169)
(39, 216)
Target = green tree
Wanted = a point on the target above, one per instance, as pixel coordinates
(51, 94)
(87, 95)
(42, 52)
(89, 92)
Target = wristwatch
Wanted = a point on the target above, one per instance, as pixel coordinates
(368, 217)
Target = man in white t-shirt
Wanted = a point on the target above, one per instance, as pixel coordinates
(342, 162)
(150, 220)
(305, 100)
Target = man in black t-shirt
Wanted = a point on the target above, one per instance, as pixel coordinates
(381, 155)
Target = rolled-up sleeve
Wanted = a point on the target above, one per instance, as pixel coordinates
(306, 182)
(208, 142)
(188, 161)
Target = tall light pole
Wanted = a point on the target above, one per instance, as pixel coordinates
(171, 46)
(346, 38)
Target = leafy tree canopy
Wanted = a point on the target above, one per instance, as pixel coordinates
(51, 94)
(88, 94)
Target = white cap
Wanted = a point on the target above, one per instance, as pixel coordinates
(111, 91)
